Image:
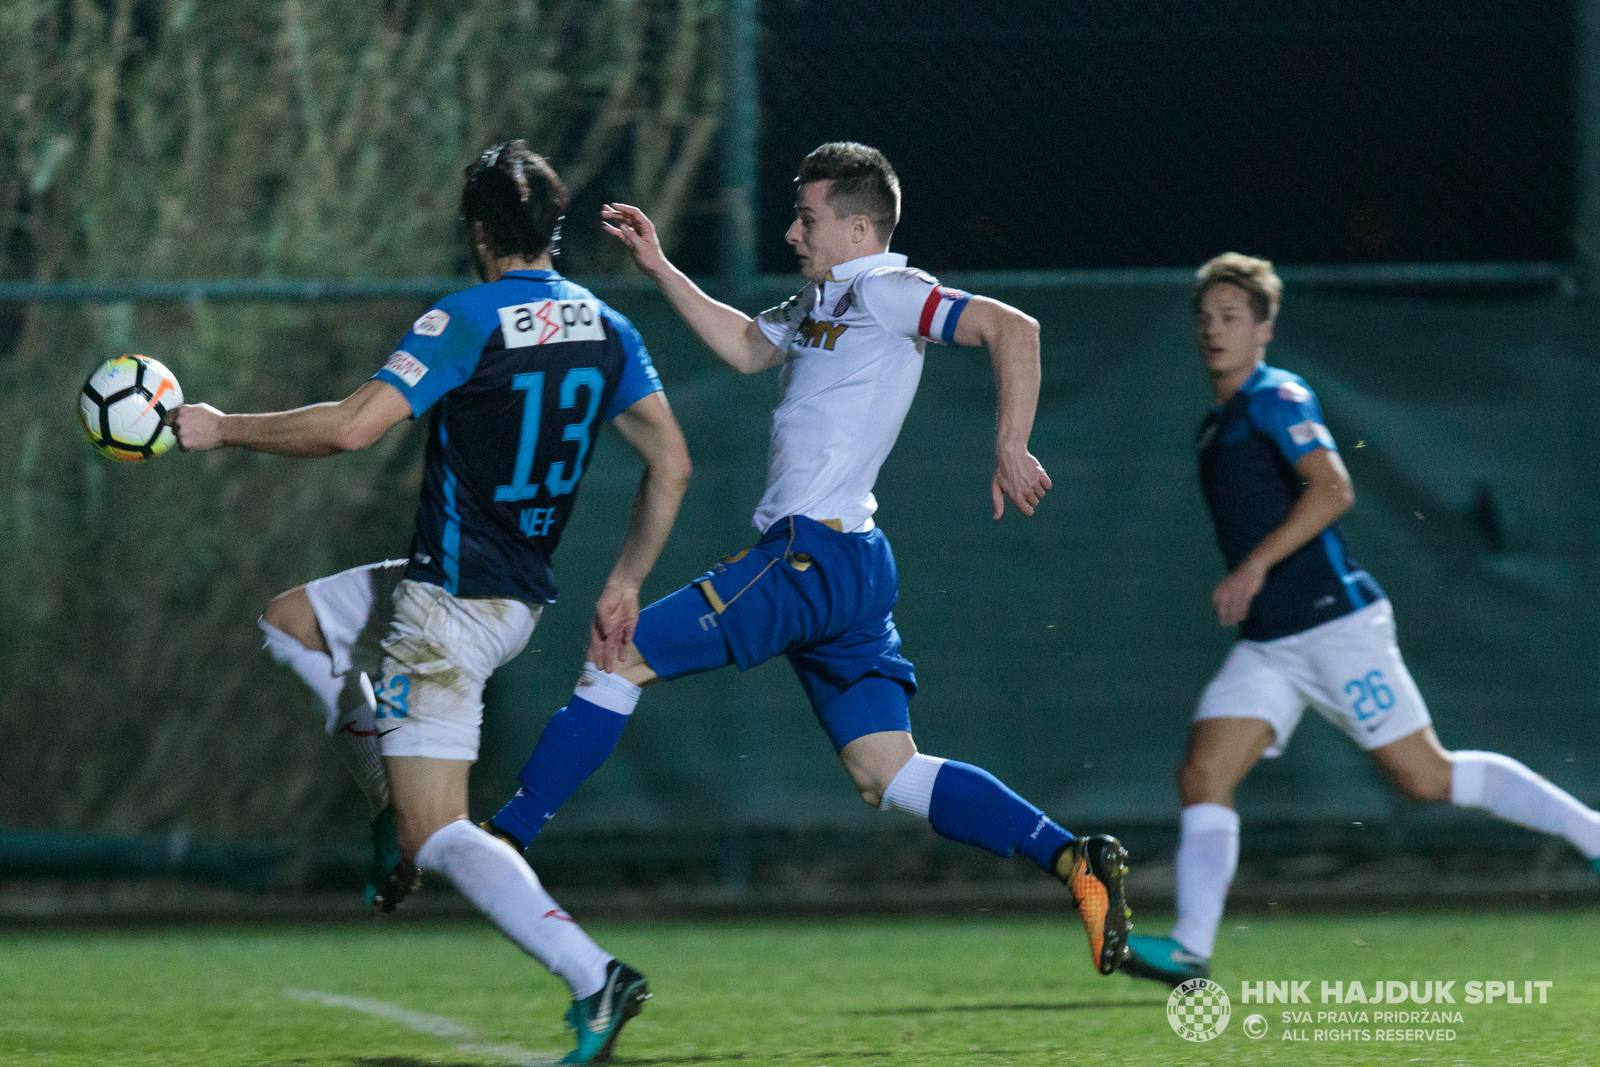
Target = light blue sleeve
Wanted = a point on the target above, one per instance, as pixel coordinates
(639, 377)
(1290, 415)
(438, 353)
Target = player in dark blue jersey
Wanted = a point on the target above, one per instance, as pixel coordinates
(517, 375)
(1314, 627)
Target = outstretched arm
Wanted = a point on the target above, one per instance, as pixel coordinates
(310, 432)
(1012, 338)
(649, 427)
(1328, 494)
(727, 331)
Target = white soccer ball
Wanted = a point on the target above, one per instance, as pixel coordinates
(122, 405)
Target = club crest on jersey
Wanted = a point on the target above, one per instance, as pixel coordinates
(844, 303)
(814, 334)
(406, 367)
(550, 322)
(786, 311)
(432, 324)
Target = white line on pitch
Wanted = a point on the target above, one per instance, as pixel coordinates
(462, 1038)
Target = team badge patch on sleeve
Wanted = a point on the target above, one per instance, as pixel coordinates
(1303, 433)
(432, 324)
(1294, 392)
(406, 367)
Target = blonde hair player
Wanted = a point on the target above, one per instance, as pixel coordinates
(1315, 629)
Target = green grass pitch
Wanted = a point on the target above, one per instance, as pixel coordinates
(989, 991)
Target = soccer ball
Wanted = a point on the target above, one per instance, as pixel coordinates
(122, 405)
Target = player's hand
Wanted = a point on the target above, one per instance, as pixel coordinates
(633, 228)
(616, 614)
(1233, 594)
(197, 426)
(1019, 476)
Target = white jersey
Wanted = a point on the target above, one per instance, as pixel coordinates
(852, 347)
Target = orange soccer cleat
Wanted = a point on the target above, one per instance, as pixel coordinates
(1092, 868)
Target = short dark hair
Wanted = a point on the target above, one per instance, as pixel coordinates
(1255, 276)
(861, 182)
(517, 196)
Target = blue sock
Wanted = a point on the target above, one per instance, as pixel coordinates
(575, 742)
(974, 807)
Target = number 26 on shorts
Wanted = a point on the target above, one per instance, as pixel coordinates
(1369, 688)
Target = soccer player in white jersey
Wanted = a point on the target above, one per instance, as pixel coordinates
(1314, 627)
(820, 584)
(516, 375)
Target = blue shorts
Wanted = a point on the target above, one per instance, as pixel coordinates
(822, 598)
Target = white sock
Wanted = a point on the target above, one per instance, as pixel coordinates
(610, 691)
(346, 709)
(1502, 786)
(502, 886)
(911, 789)
(314, 668)
(1208, 854)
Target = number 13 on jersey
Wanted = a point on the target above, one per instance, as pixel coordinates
(557, 480)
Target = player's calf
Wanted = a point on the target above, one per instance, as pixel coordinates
(970, 805)
(575, 742)
(429, 795)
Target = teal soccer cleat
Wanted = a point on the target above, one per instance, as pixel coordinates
(1164, 960)
(391, 876)
(598, 1019)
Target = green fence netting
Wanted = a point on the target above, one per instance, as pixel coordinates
(1063, 652)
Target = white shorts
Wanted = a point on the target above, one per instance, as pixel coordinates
(439, 652)
(427, 652)
(1349, 669)
(353, 609)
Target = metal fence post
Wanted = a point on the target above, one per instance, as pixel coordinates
(1586, 158)
(739, 147)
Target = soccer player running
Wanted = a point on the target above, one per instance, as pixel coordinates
(1314, 627)
(517, 373)
(820, 584)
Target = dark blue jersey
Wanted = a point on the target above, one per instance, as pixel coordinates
(518, 373)
(1248, 448)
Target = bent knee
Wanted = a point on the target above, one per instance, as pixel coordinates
(292, 613)
(631, 666)
(1432, 784)
(872, 797)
